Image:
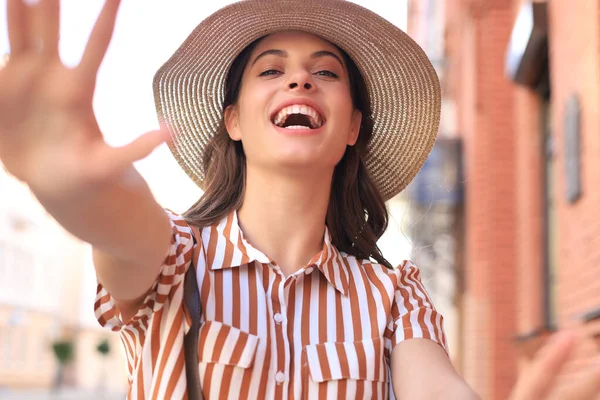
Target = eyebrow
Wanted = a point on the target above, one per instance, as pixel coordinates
(284, 54)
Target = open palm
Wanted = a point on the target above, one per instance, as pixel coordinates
(49, 136)
(539, 382)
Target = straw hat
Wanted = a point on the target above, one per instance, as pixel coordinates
(403, 86)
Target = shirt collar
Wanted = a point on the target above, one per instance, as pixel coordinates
(332, 264)
(228, 248)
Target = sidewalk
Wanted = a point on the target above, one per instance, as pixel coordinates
(65, 394)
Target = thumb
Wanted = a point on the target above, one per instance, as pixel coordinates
(109, 161)
(140, 148)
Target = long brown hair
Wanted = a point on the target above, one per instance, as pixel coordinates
(356, 215)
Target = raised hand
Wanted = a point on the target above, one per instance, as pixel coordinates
(49, 136)
(539, 382)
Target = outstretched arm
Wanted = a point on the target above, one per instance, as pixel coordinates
(50, 139)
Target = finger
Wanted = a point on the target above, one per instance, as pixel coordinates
(112, 161)
(546, 366)
(49, 21)
(100, 38)
(142, 146)
(17, 19)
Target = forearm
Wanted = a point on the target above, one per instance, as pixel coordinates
(459, 390)
(120, 218)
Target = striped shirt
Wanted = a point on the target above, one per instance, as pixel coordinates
(326, 331)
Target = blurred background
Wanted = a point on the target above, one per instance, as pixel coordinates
(503, 219)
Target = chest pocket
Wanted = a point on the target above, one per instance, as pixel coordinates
(227, 345)
(363, 360)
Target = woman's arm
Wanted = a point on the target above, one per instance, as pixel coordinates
(421, 370)
(129, 232)
(50, 139)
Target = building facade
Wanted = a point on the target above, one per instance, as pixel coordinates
(522, 79)
(47, 287)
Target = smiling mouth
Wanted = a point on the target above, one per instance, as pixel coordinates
(298, 117)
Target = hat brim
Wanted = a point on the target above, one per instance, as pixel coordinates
(403, 86)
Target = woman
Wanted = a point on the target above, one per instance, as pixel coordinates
(321, 121)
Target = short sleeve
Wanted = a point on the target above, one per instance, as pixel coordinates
(167, 290)
(413, 314)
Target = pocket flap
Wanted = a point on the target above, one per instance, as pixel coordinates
(224, 344)
(362, 360)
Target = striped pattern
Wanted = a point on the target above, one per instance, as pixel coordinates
(327, 331)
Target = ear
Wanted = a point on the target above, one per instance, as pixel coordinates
(232, 125)
(355, 127)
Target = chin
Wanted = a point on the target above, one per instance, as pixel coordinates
(295, 162)
(298, 160)
(292, 160)
(296, 154)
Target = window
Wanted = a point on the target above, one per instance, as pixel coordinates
(17, 274)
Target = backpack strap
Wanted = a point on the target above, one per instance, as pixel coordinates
(191, 297)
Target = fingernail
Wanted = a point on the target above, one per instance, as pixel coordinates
(31, 3)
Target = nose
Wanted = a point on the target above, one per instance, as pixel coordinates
(306, 85)
(300, 80)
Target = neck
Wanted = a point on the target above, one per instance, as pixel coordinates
(284, 217)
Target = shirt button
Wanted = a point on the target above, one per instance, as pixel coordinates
(280, 377)
(308, 270)
(278, 318)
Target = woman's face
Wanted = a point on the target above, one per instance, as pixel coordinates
(295, 109)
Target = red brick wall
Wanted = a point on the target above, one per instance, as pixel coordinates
(500, 126)
(496, 109)
(461, 47)
(486, 120)
(575, 69)
(530, 215)
(530, 192)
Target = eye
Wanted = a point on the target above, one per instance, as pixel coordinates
(328, 74)
(270, 72)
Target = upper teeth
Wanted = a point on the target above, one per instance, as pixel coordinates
(311, 113)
